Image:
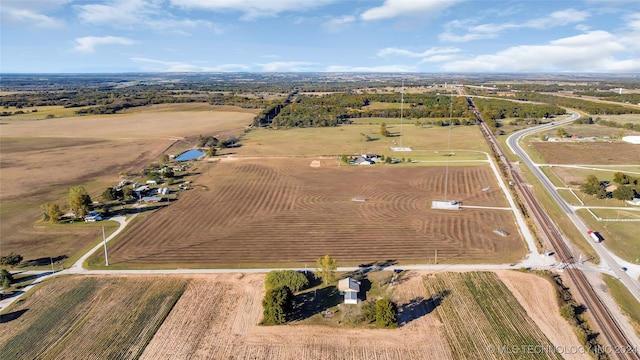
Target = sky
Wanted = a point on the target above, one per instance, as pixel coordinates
(431, 36)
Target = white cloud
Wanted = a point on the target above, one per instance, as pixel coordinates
(394, 8)
(252, 9)
(593, 51)
(177, 66)
(383, 68)
(89, 43)
(286, 66)
(31, 12)
(557, 18)
(491, 30)
(392, 51)
(336, 24)
(137, 13)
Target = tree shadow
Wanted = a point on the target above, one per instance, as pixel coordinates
(419, 307)
(314, 302)
(45, 261)
(5, 318)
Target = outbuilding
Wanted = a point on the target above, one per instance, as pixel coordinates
(350, 288)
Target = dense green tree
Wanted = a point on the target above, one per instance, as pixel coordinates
(110, 194)
(211, 151)
(623, 193)
(127, 192)
(326, 267)
(561, 133)
(11, 260)
(53, 213)
(5, 278)
(294, 280)
(79, 201)
(277, 305)
(50, 212)
(168, 173)
(154, 175)
(591, 186)
(621, 178)
(386, 313)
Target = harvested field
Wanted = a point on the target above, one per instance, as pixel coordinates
(481, 317)
(542, 308)
(89, 317)
(42, 159)
(586, 153)
(218, 314)
(283, 211)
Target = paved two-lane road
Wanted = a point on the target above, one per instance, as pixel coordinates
(612, 261)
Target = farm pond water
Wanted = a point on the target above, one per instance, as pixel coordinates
(190, 155)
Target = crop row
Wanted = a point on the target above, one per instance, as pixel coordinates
(482, 317)
(111, 317)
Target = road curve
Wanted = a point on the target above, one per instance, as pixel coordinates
(513, 142)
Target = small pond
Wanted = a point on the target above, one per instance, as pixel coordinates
(190, 155)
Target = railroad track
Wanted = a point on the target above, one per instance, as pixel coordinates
(618, 344)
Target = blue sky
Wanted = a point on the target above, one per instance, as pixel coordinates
(79, 36)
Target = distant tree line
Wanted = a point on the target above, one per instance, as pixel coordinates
(633, 98)
(591, 107)
(609, 123)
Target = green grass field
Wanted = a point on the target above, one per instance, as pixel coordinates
(629, 305)
(619, 237)
(350, 139)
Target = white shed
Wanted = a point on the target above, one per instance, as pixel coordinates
(350, 287)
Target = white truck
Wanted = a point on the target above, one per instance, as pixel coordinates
(594, 235)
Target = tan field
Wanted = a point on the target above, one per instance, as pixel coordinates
(217, 318)
(260, 212)
(42, 159)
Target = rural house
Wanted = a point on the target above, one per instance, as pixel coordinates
(92, 216)
(350, 287)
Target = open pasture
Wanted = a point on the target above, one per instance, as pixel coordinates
(350, 139)
(259, 212)
(89, 317)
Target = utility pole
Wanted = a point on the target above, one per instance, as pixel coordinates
(401, 110)
(435, 261)
(50, 259)
(106, 256)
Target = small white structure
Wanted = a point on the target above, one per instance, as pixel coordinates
(446, 205)
(92, 216)
(632, 139)
(350, 287)
(400, 148)
(152, 182)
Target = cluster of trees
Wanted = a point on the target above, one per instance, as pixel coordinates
(278, 302)
(79, 202)
(294, 280)
(11, 260)
(383, 312)
(591, 107)
(627, 188)
(334, 109)
(494, 110)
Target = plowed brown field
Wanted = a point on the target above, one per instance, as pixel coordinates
(257, 212)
